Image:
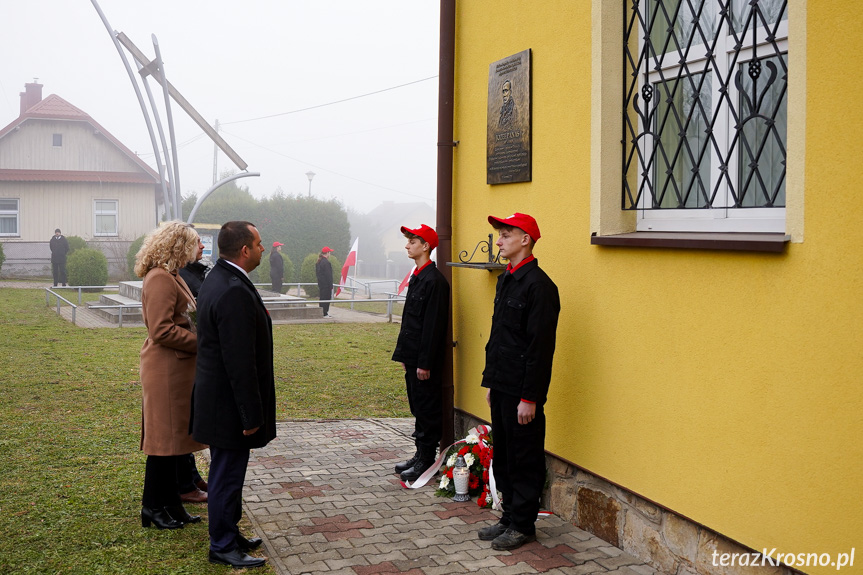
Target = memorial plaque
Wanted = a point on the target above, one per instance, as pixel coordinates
(508, 140)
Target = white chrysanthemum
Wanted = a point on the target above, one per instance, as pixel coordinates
(452, 459)
(469, 458)
(472, 439)
(444, 482)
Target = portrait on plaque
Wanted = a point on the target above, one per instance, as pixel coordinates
(508, 137)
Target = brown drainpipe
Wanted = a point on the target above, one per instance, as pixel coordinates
(445, 145)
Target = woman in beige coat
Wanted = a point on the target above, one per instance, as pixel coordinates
(167, 369)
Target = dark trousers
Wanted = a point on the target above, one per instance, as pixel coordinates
(325, 293)
(426, 404)
(58, 269)
(160, 481)
(277, 284)
(187, 473)
(519, 461)
(225, 496)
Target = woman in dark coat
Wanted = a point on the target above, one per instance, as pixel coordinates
(167, 370)
(324, 273)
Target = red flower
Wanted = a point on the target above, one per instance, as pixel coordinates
(473, 481)
(464, 450)
(485, 476)
(449, 472)
(477, 450)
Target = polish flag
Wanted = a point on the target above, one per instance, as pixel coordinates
(351, 260)
(405, 281)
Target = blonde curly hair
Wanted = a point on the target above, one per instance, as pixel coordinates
(170, 246)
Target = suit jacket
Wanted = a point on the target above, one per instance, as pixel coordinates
(234, 385)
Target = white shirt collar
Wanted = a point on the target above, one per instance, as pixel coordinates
(239, 268)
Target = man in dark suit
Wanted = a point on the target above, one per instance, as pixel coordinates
(234, 398)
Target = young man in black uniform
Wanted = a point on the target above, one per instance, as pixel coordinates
(517, 374)
(421, 347)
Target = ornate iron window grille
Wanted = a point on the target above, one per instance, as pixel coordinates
(676, 150)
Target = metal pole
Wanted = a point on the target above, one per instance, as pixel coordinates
(138, 94)
(178, 202)
(171, 209)
(213, 188)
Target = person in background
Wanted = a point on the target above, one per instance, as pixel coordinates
(234, 397)
(324, 274)
(167, 370)
(277, 267)
(517, 373)
(59, 250)
(420, 348)
(193, 487)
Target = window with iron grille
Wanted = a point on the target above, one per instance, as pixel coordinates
(705, 114)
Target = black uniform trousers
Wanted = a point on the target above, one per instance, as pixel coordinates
(519, 461)
(225, 496)
(58, 270)
(426, 404)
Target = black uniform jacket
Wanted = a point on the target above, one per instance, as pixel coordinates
(422, 338)
(234, 385)
(277, 265)
(324, 275)
(520, 347)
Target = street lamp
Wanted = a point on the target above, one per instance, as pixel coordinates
(310, 175)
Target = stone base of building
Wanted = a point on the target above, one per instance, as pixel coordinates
(667, 541)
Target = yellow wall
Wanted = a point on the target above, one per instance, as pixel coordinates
(724, 386)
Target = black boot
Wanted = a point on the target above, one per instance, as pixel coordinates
(405, 465)
(179, 513)
(160, 517)
(426, 460)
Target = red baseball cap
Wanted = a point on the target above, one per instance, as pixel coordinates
(327, 250)
(426, 233)
(277, 244)
(518, 220)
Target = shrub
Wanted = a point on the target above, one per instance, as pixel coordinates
(308, 275)
(87, 267)
(130, 256)
(75, 243)
(2, 257)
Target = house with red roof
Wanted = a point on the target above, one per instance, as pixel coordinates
(60, 169)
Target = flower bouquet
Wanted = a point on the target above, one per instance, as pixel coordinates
(477, 451)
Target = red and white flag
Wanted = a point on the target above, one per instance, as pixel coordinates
(405, 281)
(351, 260)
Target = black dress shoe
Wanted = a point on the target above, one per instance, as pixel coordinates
(405, 465)
(248, 544)
(414, 472)
(179, 513)
(160, 517)
(236, 559)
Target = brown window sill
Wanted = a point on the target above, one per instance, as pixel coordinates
(697, 241)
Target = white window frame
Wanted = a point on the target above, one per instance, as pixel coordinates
(715, 219)
(7, 214)
(102, 212)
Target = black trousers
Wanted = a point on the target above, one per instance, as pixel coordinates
(225, 496)
(187, 473)
(58, 269)
(519, 461)
(277, 284)
(426, 404)
(325, 292)
(160, 481)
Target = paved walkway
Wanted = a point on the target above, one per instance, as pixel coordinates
(325, 500)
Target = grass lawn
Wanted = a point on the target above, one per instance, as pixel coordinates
(70, 410)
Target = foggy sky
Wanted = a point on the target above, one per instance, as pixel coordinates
(240, 61)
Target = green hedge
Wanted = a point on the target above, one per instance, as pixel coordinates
(87, 267)
(130, 256)
(2, 257)
(261, 274)
(76, 243)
